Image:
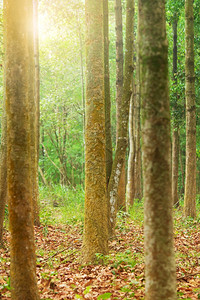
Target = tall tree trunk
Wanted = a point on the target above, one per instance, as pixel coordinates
(3, 171)
(83, 97)
(124, 114)
(138, 159)
(96, 206)
(190, 172)
(130, 188)
(175, 135)
(175, 159)
(37, 108)
(158, 223)
(119, 60)
(18, 21)
(33, 117)
(119, 93)
(109, 159)
(181, 167)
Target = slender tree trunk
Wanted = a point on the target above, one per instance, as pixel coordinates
(175, 159)
(3, 171)
(83, 97)
(130, 188)
(34, 115)
(190, 172)
(182, 168)
(18, 18)
(96, 206)
(175, 135)
(43, 177)
(119, 60)
(160, 269)
(119, 94)
(109, 159)
(138, 159)
(124, 114)
(37, 103)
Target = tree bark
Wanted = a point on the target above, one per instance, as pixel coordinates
(160, 269)
(190, 172)
(175, 135)
(109, 159)
(96, 206)
(175, 159)
(124, 114)
(3, 171)
(130, 188)
(33, 117)
(37, 108)
(138, 159)
(119, 94)
(83, 97)
(17, 92)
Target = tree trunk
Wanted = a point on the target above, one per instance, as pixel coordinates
(119, 94)
(138, 159)
(119, 60)
(182, 168)
(190, 172)
(109, 159)
(96, 206)
(33, 119)
(37, 108)
(160, 269)
(83, 97)
(175, 135)
(123, 120)
(130, 188)
(17, 91)
(175, 159)
(3, 171)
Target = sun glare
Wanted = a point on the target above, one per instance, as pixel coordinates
(44, 26)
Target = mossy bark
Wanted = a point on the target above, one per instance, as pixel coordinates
(160, 272)
(109, 159)
(96, 206)
(17, 91)
(124, 114)
(190, 172)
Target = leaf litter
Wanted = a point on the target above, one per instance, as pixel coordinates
(121, 276)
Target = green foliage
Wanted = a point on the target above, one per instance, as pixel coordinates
(104, 296)
(7, 286)
(137, 211)
(61, 205)
(125, 260)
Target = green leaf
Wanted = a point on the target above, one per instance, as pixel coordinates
(104, 296)
(87, 290)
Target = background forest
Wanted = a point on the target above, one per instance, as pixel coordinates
(62, 86)
(61, 172)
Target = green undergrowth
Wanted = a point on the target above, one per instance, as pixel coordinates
(61, 205)
(65, 205)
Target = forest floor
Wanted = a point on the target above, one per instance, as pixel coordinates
(61, 276)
